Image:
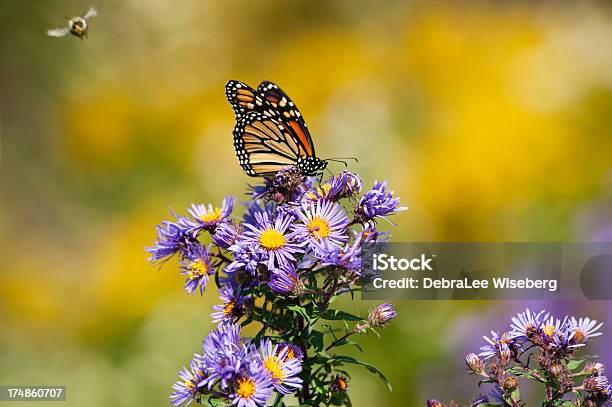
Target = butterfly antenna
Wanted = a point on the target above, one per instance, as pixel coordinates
(343, 158)
(338, 161)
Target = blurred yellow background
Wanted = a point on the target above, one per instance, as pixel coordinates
(491, 120)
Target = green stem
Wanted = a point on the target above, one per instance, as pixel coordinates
(343, 337)
(305, 393)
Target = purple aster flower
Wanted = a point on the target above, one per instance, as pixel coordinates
(371, 234)
(347, 257)
(190, 384)
(225, 354)
(552, 328)
(595, 368)
(226, 234)
(480, 400)
(208, 217)
(232, 307)
(324, 220)
(292, 350)
(353, 184)
(171, 238)
(246, 257)
(497, 345)
(256, 207)
(580, 330)
(496, 396)
(344, 185)
(197, 266)
(382, 315)
(252, 387)
(227, 334)
(377, 202)
(526, 325)
(433, 403)
(285, 281)
(272, 239)
(562, 340)
(598, 385)
(284, 371)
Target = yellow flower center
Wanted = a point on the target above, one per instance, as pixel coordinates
(197, 268)
(322, 192)
(290, 354)
(318, 227)
(272, 239)
(229, 308)
(549, 330)
(246, 387)
(274, 366)
(213, 216)
(189, 385)
(579, 336)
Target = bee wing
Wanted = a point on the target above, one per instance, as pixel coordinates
(92, 12)
(58, 32)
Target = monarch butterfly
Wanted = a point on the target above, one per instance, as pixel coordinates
(270, 132)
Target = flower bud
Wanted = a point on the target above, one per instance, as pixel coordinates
(556, 370)
(474, 363)
(339, 384)
(505, 354)
(353, 184)
(382, 315)
(510, 384)
(595, 369)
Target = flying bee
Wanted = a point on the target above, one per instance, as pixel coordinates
(76, 26)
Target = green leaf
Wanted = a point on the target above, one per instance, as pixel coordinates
(481, 382)
(515, 395)
(300, 311)
(522, 372)
(216, 402)
(316, 340)
(577, 364)
(373, 369)
(563, 403)
(278, 400)
(337, 315)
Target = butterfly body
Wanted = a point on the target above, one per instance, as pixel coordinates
(270, 133)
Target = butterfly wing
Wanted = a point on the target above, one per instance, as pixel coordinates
(288, 112)
(245, 99)
(264, 145)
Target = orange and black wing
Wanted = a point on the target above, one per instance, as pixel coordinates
(245, 99)
(288, 113)
(264, 144)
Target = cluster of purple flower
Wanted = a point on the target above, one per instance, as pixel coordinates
(291, 228)
(556, 341)
(570, 381)
(289, 224)
(234, 368)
